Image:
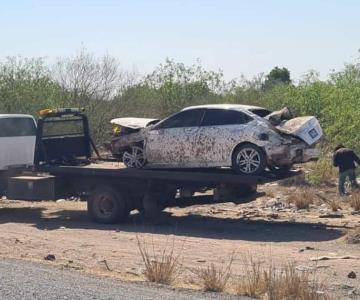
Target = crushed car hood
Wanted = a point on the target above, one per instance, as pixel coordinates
(134, 123)
(306, 128)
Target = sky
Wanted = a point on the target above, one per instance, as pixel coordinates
(239, 37)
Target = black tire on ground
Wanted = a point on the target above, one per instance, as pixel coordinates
(106, 205)
(249, 159)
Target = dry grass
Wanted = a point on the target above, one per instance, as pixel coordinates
(213, 278)
(353, 236)
(334, 205)
(302, 198)
(322, 171)
(355, 201)
(280, 283)
(161, 266)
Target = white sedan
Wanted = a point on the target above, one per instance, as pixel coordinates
(239, 136)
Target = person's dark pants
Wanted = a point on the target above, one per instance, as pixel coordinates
(352, 178)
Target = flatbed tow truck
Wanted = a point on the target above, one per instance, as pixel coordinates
(64, 150)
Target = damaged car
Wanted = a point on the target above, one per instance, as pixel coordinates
(249, 139)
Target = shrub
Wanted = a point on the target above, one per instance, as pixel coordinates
(273, 283)
(302, 198)
(355, 201)
(322, 171)
(213, 278)
(162, 267)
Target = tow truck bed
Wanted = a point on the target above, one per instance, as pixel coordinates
(110, 189)
(200, 176)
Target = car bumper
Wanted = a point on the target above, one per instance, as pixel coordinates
(288, 155)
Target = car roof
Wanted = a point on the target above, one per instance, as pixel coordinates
(225, 106)
(3, 116)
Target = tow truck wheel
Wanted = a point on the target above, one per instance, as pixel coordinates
(107, 206)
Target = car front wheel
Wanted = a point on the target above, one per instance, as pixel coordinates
(134, 157)
(249, 159)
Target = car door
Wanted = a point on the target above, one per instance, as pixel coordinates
(220, 131)
(171, 143)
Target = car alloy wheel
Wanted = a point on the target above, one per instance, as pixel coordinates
(248, 160)
(135, 158)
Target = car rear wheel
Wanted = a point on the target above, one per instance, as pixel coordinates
(249, 159)
(134, 157)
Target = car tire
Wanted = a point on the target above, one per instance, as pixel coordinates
(134, 157)
(248, 159)
(106, 205)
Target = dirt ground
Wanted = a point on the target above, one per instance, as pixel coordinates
(269, 228)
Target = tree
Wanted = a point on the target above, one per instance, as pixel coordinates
(277, 76)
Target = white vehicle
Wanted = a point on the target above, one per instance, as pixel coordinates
(238, 136)
(17, 140)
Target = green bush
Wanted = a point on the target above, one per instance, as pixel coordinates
(106, 91)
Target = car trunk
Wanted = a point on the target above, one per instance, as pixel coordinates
(306, 128)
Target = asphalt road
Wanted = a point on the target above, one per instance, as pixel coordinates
(26, 280)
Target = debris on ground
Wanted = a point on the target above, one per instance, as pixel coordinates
(332, 215)
(333, 257)
(306, 248)
(353, 236)
(50, 257)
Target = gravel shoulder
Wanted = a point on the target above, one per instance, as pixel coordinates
(27, 280)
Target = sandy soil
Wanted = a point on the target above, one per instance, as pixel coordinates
(203, 234)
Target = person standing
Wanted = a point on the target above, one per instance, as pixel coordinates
(345, 158)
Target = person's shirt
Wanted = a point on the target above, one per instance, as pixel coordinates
(345, 159)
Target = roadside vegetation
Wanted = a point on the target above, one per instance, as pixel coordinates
(272, 282)
(105, 90)
(160, 265)
(355, 201)
(260, 279)
(214, 278)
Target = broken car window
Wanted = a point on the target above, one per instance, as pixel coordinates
(187, 118)
(216, 117)
(261, 112)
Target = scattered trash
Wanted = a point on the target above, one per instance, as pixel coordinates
(50, 257)
(106, 264)
(273, 215)
(332, 215)
(333, 257)
(306, 248)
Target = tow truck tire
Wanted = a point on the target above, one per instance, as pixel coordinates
(107, 206)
